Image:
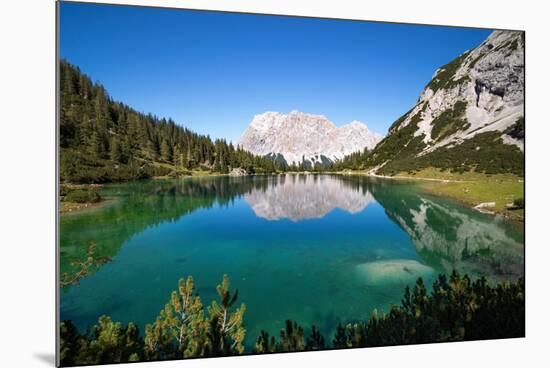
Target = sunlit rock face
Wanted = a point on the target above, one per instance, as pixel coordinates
(489, 80)
(301, 197)
(299, 136)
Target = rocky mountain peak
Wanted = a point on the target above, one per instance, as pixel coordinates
(298, 136)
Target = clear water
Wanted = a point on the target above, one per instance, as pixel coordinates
(317, 249)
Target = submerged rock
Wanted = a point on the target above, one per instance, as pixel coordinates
(393, 271)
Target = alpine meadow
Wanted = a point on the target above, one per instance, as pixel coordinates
(235, 184)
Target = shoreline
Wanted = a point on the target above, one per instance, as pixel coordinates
(431, 185)
(460, 191)
(506, 215)
(67, 208)
(402, 177)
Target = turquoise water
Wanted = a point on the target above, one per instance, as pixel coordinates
(317, 249)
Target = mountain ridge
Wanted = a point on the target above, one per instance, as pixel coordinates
(299, 136)
(468, 117)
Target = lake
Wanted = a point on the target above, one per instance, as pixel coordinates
(317, 249)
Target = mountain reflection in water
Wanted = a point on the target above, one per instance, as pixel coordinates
(445, 234)
(301, 197)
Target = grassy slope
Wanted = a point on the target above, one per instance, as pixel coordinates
(474, 188)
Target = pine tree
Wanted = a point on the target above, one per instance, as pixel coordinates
(115, 151)
(292, 338)
(71, 343)
(165, 151)
(315, 341)
(110, 342)
(180, 329)
(265, 343)
(96, 146)
(226, 323)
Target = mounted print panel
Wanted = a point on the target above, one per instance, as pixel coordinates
(236, 184)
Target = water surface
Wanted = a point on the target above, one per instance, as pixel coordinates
(317, 249)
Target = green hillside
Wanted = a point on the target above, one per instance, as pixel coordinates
(103, 140)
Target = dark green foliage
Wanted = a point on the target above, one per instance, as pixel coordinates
(444, 79)
(265, 343)
(340, 340)
(292, 338)
(450, 121)
(484, 153)
(398, 122)
(350, 335)
(103, 140)
(70, 344)
(106, 342)
(79, 167)
(517, 130)
(519, 203)
(82, 196)
(111, 342)
(354, 161)
(456, 308)
(514, 45)
(277, 159)
(315, 341)
(398, 145)
(152, 171)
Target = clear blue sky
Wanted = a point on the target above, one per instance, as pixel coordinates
(212, 72)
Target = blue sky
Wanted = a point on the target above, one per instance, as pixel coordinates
(212, 72)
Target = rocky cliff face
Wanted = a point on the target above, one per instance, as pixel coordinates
(479, 95)
(300, 136)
